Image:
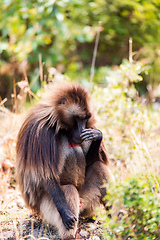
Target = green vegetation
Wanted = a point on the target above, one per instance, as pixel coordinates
(63, 32)
(131, 134)
(132, 140)
(58, 37)
(137, 209)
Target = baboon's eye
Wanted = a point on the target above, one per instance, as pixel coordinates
(63, 101)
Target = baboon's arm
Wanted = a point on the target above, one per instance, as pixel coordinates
(55, 191)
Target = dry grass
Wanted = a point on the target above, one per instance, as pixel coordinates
(15, 220)
(130, 151)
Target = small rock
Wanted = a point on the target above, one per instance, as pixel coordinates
(20, 203)
(83, 233)
(94, 238)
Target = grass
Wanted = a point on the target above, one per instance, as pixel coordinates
(15, 221)
(131, 134)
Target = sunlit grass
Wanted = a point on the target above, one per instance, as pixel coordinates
(131, 133)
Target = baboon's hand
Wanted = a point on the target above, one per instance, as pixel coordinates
(68, 219)
(91, 134)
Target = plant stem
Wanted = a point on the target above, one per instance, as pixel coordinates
(94, 54)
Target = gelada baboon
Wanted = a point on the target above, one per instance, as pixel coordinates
(61, 158)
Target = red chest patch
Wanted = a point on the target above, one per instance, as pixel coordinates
(72, 145)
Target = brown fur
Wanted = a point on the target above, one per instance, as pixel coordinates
(43, 155)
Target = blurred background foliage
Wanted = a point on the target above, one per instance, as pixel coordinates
(47, 40)
(63, 32)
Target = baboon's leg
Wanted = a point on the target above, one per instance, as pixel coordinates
(93, 191)
(52, 216)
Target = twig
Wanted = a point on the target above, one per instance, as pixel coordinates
(43, 238)
(29, 236)
(3, 101)
(16, 230)
(130, 61)
(33, 95)
(94, 54)
(35, 79)
(130, 51)
(1, 232)
(24, 71)
(40, 69)
(15, 95)
(32, 226)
